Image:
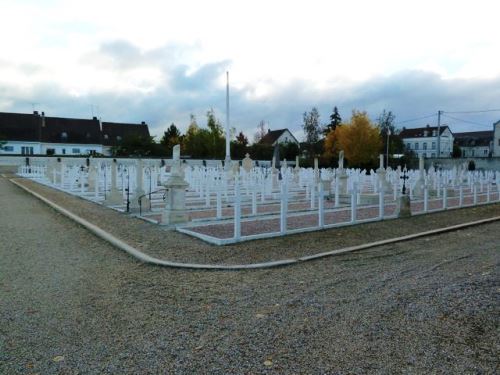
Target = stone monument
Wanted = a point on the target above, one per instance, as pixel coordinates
(175, 195)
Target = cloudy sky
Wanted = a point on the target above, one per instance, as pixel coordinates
(160, 61)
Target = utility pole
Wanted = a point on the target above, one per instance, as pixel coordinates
(228, 152)
(439, 134)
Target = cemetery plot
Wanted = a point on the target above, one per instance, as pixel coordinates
(237, 204)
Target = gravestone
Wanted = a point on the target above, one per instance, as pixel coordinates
(174, 211)
(247, 163)
(418, 190)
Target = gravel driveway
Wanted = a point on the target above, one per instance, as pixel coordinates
(70, 303)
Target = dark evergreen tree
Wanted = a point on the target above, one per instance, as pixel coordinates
(335, 120)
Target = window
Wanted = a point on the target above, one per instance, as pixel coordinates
(425, 145)
(64, 136)
(25, 150)
(485, 152)
(433, 155)
(76, 151)
(8, 148)
(64, 151)
(118, 138)
(416, 145)
(106, 136)
(408, 146)
(433, 145)
(51, 151)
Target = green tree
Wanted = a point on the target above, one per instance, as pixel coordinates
(335, 120)
(239, 146)
(312, 130)
(217, 141)
(135, 145)
(170, 138)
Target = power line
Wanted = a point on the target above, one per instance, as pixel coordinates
(415, 119)
(481, 111)
(458, 119)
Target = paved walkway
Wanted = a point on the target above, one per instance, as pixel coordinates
(70, 303)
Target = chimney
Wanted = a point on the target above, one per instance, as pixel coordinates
(35, 113)
(100, 124)
(43, 119)
(143, 123)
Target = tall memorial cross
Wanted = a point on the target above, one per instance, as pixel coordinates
(404, 177)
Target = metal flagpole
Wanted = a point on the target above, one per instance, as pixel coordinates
(228, 152)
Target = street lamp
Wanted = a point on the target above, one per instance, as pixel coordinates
(387, 149)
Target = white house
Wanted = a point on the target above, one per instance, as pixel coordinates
(37, 134)
(279, 136)
(424, 141)
(496, 139)
(475, 144)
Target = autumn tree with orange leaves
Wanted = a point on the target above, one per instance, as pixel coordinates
(360, 140)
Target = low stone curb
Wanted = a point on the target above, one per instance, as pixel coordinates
(237, 267)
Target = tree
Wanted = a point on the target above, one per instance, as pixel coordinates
(335, 120)
(360, 140)
(386, 123)
(135, 145)
(312, 129)
(261, 131)
(457, 151)
(171, 138)
(216, 135)
(331, 147)
(239, 146)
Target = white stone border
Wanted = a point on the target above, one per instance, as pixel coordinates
(285, 262)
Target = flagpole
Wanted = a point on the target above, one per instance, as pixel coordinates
(228, 152)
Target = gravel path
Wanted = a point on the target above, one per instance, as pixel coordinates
(72, 304)
(167, 244)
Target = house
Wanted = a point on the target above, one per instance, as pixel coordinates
(279, 136)
(475, 144)
(496, 139)
(37, 134)
(424, 141)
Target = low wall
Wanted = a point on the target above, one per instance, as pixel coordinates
(491, 164)
(15, 161)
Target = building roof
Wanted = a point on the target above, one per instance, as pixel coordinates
(69, 130)
(273, 135)
(113, 132)
(472, 139)
(422, 132)
(19, 127)
(37, 127)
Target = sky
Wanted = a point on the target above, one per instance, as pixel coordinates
(161, 61)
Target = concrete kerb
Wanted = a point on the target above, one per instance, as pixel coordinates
(279, 263)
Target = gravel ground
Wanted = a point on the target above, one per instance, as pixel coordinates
(167, 244)
(70, 304)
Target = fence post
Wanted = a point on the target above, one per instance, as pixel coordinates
(475, 194)
(488, 192)
(445, 198)
(381, 202)
(283, 208)
(237, 210)
(461, 196)
(354, 201)
(337, 190)
(321, 208)
(426, 198)
(254, 201)
(313, 195)
(219, 203)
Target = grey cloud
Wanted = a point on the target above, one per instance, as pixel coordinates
(409, 94)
